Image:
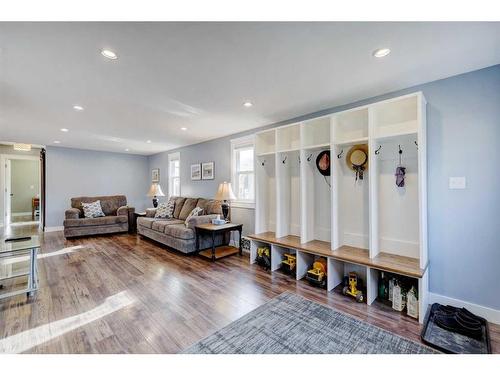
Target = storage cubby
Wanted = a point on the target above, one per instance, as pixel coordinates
(265, 193)
(316, 199)
(254, 245)
(265, 142)
(288, 138)
(396, 117)
(351, 127)
(316, 133)
(278, 254)
(362, 225)
(350, 198)
(397, 214)
(337, 270)
(288, 193)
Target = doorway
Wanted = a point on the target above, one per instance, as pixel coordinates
(22, 195)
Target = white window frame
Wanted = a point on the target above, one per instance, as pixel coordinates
(172, 157)
(247, 141)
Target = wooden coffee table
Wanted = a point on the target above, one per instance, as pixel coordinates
(217, 252)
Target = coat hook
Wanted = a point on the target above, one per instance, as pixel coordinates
(400, 150)
(309, 157)
(299, 159)
(377, 151)
(263, 162)
(284, 160)
(416, 144)
(340, 155)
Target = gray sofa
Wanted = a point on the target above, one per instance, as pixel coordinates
(117, 219)
(174, 233)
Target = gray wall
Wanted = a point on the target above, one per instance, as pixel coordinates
(25, 184)
(463, 118)
(72, 173)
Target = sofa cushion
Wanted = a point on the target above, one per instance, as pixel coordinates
(109, 204)
(146, 221)
(179, 202)
(189, 205)
(159, 225)
(213, 206)
(92, 209)
(165, 210)
(179, 231)
(106, 220)
(202, 203)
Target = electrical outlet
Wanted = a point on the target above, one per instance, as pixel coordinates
(457, 183)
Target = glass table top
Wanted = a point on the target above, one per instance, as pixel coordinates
(19, 244)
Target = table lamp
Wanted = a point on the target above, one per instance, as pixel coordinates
(155, 191)
(224, 194)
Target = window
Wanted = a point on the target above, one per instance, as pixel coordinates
(243, 176)
(174, 174)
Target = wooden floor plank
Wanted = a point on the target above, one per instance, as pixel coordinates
(175, 300)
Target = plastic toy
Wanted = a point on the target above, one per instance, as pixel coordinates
(317, 275)
(352, 288)
(289, 263)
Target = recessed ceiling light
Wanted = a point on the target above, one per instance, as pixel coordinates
(127, 149)
(56, 142)
(148, 141)
(184, 129)
(247, 104)
(64, 130)
(381, 52)
(109, 54)
(78, 108)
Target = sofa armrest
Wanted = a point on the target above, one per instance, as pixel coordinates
(125, 211)
(198, 220)
(72, 213)
(150, 212)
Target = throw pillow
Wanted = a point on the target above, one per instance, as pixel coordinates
(195, 212)
(165, 210)
(92, 209)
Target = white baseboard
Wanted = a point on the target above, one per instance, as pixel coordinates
(491, 315)
(15, 214)
(53, 229)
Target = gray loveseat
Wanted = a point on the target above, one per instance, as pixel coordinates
(174, 233)
(118, 216)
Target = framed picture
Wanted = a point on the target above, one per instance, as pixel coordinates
(195, 171)
(207, 171)
(155, 175)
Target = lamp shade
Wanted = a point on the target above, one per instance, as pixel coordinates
(225, 192)
(155, 191)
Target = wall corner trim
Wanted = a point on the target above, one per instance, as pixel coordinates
(488, 313)
(54, 229)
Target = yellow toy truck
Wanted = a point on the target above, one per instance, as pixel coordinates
(317, 275)
(352, 288)
(289, 263)
(264, 257)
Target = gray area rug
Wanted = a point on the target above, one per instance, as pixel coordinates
(292, 324)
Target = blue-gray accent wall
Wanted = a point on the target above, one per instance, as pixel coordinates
(463, 132)
(73, 173)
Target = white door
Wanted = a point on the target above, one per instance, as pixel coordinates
(8, 192)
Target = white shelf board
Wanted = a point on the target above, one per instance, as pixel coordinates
(312, 147)
(349, 142)
(289, 149)
(267, 153)
(396, 135)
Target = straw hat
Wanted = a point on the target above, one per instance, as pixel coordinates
(357, 155)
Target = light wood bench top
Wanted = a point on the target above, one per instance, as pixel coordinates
(385, 262)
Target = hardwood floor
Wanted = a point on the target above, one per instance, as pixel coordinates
(124, 294)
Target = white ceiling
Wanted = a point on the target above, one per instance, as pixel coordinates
(197, 75)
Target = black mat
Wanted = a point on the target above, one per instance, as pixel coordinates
(450, 342)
